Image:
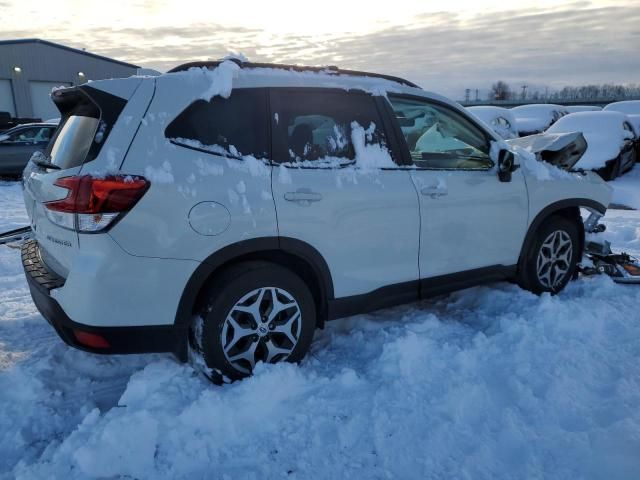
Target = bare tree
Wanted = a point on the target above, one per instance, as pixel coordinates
(500, 91)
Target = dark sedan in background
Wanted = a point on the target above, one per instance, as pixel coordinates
(18, 144)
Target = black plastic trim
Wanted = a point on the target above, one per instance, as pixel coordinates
(430, 287)
(406, 292)
(232, 252)
(551, 209)
(384, 297)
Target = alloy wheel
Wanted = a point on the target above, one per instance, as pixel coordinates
(554, 259)
(264, 325)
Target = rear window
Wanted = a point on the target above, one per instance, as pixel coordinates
(73, 141)
(234, 126)
(88, 115)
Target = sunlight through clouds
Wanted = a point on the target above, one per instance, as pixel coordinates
(444, 45)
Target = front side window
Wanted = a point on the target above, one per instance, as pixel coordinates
(440, 138)
(318, 126)
(234, 126)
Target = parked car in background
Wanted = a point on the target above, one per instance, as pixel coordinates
(536, 118)
(582, 108)
(18, 144)
(611, 141)
(631, 108)
(7, 121)
(500, 120)
(247, 204)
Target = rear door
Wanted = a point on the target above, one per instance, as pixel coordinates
(470, 220)
(337, 189)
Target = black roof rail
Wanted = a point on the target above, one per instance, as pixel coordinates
(330, 69)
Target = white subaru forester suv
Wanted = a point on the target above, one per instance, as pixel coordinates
(225, 210)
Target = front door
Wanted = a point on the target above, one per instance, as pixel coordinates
(470, 220)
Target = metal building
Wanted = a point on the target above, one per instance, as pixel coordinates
(30, 68)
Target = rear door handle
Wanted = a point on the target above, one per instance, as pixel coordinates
(434, 191)
(303, 195)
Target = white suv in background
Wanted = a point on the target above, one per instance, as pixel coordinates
(228, 209)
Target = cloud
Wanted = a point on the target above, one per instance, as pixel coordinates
(576, 44)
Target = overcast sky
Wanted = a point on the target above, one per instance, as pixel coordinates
(443, 45)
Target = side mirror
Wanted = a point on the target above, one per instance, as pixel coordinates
(506, 165)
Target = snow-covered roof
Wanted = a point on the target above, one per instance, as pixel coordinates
(249, 76)
(490, 114)
(582, 108)
(536, 117)
(603, 131)
(627, 106)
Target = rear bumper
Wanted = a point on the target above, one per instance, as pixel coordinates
(121, 340)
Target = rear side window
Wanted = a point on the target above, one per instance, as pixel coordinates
(234, 126)
(316, 126)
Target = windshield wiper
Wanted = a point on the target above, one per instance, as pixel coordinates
(45, 164)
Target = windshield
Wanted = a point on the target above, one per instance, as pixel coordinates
(72, 144)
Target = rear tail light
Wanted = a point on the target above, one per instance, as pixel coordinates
(92, 340)
(94, 203)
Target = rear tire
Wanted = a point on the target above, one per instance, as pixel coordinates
(254, 311)
(552, 259)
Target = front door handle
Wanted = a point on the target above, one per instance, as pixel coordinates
(434, 191)
(303, 196)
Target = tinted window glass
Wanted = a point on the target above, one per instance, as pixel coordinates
(73, 141)
(439, 137)
(233, 126)
(26, 135)
(317, 126)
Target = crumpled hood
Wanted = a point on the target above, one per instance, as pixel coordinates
(560, 149)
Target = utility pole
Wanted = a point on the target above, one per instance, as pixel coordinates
(524, 92)
(467, 92)
(477, 96)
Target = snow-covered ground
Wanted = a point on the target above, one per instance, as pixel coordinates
(488, 383)
(626, 189)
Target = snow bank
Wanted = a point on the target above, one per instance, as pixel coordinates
(626, 189)
(488, 383)
(603, 132)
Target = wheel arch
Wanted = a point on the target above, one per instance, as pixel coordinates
(568, 208)
(296, 255)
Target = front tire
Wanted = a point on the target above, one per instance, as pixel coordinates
(552, 259)
(255, 311)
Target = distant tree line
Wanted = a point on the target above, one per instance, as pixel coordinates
(502, 91)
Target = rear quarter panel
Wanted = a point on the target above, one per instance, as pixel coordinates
(238, 191)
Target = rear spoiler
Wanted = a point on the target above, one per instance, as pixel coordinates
(560, 149)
